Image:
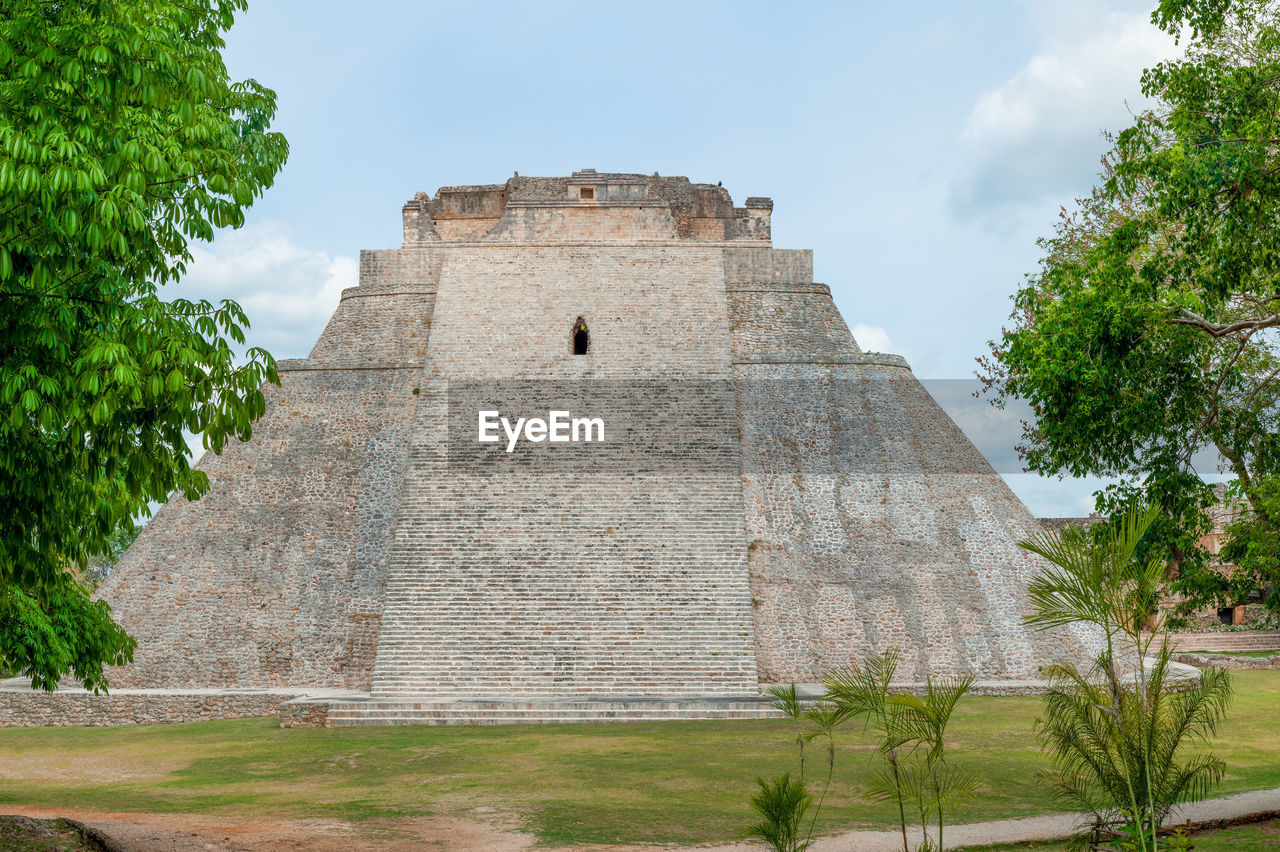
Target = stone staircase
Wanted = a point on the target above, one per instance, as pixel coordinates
(432, 710)
(1244, 640)
(534, 582)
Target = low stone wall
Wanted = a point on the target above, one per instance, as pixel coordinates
(31, 709)
(302, 713)
(1224, 661)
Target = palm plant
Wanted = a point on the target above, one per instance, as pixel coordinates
(863, 691)
(1117, 732)
(913, 729)
(823, 718)
(787, 700)
(922, 721)
(781, 805)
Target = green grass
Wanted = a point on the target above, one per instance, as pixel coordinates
(1257, 837)
(673, 782)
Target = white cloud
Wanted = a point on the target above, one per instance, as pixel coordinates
(1048, 497)
(872, 338)
(1036, 137)
(288, 291)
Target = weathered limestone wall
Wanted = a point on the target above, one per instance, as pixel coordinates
(377, 328)
(768, 266)
(763, 319)
(578, 221)
(276, 576)
(873, 520)
(587, 206)
(392, 270)
(33, 709)
(619, 570)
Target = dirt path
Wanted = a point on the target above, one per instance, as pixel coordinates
(143, 832)
(1049, 827)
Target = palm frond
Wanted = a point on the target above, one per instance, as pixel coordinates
(781, 804)
(786, 699)
(861, 690)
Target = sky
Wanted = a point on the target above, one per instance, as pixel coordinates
(918, 150)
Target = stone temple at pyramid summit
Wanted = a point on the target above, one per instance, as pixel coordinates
(582, 447)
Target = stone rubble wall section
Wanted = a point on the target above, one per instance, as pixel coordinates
(276, 576)
(508, 311)
(768, 266)
(377, 329)
(874, 522)
(33, 709)
(1227, 661)
(588, 205)
(396, 270)
(579, 222)
(763, 320)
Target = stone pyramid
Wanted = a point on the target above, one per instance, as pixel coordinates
(767, 502)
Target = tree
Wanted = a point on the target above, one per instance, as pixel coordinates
(1121, 733)
(1148, 335)
(121, 138)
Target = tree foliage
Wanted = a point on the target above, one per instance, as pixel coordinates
(64, 633)
(100, 566)
(122, 137)
(1149, 334)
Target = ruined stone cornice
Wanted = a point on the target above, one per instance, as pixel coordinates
(877, 359)
(690, 244)
(292, 365)
(779, 287)
(358, 293)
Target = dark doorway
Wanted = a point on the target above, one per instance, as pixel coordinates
(581, 338)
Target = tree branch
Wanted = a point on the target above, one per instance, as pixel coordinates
(1220, 330)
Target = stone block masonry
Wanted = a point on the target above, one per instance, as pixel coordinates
(276, 576)
(777, 503)
(25, 708)
(573, 582)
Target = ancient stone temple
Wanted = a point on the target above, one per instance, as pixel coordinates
(724, 490)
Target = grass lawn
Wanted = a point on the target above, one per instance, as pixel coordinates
(677, 782)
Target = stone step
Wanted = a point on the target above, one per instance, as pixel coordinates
(399, 712)
(1251, 641)
(525, 583)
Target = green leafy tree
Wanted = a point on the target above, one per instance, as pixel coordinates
(1124, 734)
(1148, 335)
(65, 632)
(122, 137)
